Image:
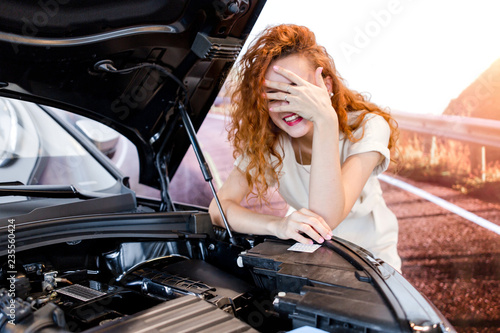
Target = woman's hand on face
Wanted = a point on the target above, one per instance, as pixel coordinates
(308, 100)
(305, 222)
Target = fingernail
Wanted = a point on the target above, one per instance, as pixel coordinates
(276, 68)
(321, 240)
(328, 237)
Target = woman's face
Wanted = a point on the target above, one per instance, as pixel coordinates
(291, 123)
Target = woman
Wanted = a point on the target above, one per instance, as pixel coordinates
(297, 126)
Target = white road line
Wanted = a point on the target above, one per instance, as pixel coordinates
(442, 203)
(217, 116)
(211, 164)
(213, 170)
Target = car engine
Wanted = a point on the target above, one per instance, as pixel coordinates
(78, 286)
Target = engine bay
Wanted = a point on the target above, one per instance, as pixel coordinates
(189, 282)
(81, 285)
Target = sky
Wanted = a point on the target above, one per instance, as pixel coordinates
(409, 55)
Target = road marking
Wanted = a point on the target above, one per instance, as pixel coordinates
(217, 116)
(213, 169)
(442, 203)
(211, 164)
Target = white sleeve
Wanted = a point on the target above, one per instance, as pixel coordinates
(376, 133)
(242, 163)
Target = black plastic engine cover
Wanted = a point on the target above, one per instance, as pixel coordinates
(321, 289)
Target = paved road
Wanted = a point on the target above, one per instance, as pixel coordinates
(452, 261)
(218, 153)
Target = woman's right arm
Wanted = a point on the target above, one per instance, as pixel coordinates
(244, 220)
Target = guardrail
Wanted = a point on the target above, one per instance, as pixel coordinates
(484, 132)
(480, 132)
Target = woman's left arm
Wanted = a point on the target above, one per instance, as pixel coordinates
(334, 188)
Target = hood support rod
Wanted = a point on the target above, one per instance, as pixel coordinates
(108, 66)
(203, 164)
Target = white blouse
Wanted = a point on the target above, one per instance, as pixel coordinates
(370, 224)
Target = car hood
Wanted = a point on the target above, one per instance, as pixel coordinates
(126, 64)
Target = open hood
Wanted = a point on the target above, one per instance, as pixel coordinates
(126, 64)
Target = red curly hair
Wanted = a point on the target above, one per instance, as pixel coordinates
(251, 130)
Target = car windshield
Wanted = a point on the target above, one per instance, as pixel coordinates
(35, 149)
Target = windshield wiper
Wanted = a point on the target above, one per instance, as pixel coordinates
(47, 191)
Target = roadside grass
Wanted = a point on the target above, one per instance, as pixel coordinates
(448, 163)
